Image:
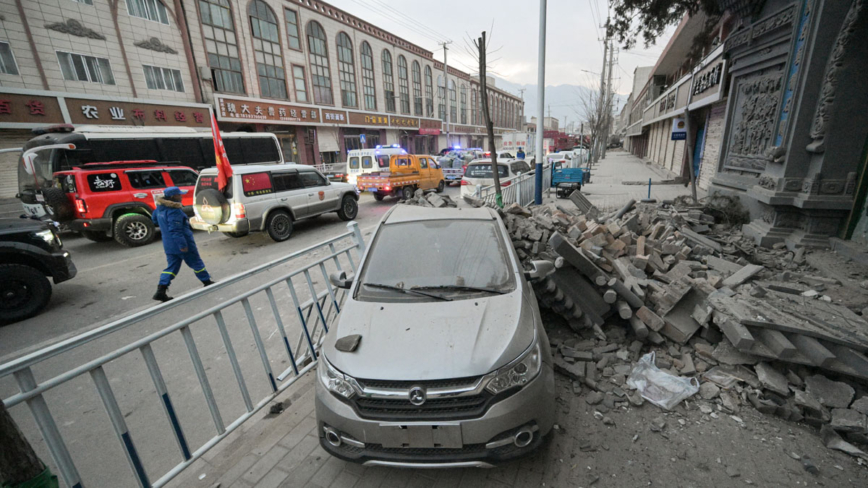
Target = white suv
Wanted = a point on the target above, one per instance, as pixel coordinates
(268, 198)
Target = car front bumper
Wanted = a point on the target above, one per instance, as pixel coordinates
(484, 441)
(62, 267)
(240, 226)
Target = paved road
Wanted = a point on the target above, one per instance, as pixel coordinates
(113, 282)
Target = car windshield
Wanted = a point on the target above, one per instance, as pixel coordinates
(454, 258)
(484, 171)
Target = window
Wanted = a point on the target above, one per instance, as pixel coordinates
(463, 104)
(403, 85)
(292, 35)
(388, 81)
(267, 50)
(86, 2)
(163, 79)
(147, 9)
(453, 105)
(474, 113)
(423, 163)
(319, 64)
(441, 94)
(347, 71)
(429, 93)
(286, 181)
(312, 179)
(76, 67)
(7, 60)
(146, 179)
(221, 45)
(300, 83)
(368, 87)
(417, 89)
(183, 177)
(367, 162)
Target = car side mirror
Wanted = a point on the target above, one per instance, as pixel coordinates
(541, 269)
(340, 280)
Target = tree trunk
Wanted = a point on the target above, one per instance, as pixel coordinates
(489, 125)
(18, 461)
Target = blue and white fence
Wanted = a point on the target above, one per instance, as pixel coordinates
(301, 301)
(518, 189)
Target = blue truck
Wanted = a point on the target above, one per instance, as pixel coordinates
(566, 180)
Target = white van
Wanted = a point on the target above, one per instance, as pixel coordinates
(362, 161)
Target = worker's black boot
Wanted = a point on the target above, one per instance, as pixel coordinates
(207, 283)
(161, 294)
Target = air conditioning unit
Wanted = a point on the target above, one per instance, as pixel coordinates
(205, 73)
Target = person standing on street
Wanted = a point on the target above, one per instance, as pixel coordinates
(520, 153)
(178, 242)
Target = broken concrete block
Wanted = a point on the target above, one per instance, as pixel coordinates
(833, 394)
(861, 405)
(772, 379)
(811, 405)
(742, 275)
(708, 390)
(574, 371)
(649, 318)
(726, 354)
(702, 314)
(848, 420)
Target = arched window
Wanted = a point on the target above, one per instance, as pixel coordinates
(429, 93)
(403, 85)
(474, 113)
(221, 46)
(417, 89)
(441, 95)
(319, 64)
(453, 102)
(347, 71)
(463, 104)
(388, 81)
(267, 50)
(368, 87)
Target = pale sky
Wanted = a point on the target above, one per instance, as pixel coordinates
(572, 36)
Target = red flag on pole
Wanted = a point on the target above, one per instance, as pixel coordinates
(224, 170)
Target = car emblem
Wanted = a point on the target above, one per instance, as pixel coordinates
(417, 395)
(322, 195)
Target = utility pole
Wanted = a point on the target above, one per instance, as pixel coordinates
(445, 45)
(489, 125)
(596, 143)
(541, 96)
(609, 96)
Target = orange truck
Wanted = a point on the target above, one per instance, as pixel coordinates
(407, 173)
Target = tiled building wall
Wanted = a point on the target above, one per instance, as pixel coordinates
(713, 140)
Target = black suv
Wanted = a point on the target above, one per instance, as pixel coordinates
(30, 252)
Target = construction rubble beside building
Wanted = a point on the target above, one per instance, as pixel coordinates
(748, 326)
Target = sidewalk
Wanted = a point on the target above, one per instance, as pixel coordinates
(607, 191)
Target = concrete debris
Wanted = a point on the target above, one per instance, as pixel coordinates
(833, 394)
(433, 200)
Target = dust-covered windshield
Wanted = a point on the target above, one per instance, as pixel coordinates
(441, 256)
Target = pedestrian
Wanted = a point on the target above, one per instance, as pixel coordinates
(520, 153)
(178, 242)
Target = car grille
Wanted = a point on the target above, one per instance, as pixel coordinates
(428, 385)
(434, 408)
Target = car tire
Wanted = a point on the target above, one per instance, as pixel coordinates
(235, 235)
(279, 226)
(57, 205)
(349, 208)
(134, 230)
(379, 197)
(407, 193)
(24, 292)
(441, 186)
(96, 236)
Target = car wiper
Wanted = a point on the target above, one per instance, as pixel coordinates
(461, 287)
(411, 291)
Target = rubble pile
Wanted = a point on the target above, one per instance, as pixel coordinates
(432, 200)
(666, 278)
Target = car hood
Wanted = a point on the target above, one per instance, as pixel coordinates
(432, 340)
(16, 226)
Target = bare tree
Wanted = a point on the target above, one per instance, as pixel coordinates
(489, 125)
(595, 110)
(18, 461)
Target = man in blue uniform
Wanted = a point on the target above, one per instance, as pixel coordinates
(178, 242)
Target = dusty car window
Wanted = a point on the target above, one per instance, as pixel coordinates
(436, 255)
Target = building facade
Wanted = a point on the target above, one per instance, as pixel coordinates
(324, 81)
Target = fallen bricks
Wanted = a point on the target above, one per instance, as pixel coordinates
(431, 199)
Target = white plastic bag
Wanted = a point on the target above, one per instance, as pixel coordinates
(660, 388)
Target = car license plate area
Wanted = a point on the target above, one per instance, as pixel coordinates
(372, 188)
(446, 436)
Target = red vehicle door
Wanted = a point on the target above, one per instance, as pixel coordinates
(185, 179)
(144, 183)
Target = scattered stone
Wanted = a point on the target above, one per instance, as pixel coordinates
(771, 379)
(732, 472)
(608, 421)
(833, 394)
(636, 399)
(861, 405)
(709, 390)
(847, 420)
(658, 424)
(594, 398)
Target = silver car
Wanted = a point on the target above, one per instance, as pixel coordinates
(453, 367)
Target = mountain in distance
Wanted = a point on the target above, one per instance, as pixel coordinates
(563, 100)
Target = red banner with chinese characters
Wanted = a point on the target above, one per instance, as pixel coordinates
(105, 112)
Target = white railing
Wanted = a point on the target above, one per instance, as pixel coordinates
(518, 189)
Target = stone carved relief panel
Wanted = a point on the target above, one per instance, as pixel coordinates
(754, 115)
(75, 28)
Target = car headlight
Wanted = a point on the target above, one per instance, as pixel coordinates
(337, 382)
(46, 235)
(518, 372)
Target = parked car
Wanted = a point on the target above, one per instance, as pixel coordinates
(454, 366)
(269, 198)
(30, 253)
(337, 173)
(114, 200)
(479, 172)
(406, 174)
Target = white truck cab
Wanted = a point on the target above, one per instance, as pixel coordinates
(362, 161)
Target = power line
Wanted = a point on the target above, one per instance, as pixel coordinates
(412, 20)
(400, 22)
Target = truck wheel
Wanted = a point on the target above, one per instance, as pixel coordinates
(349, 208)
(379, 196)
(96, 236)
(134, 230)
(441, 186)
(279, 225)
(57, 205)
(407, 192)
(24, 292)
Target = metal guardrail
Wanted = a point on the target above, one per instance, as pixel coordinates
(320, 309)
(518, 189)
